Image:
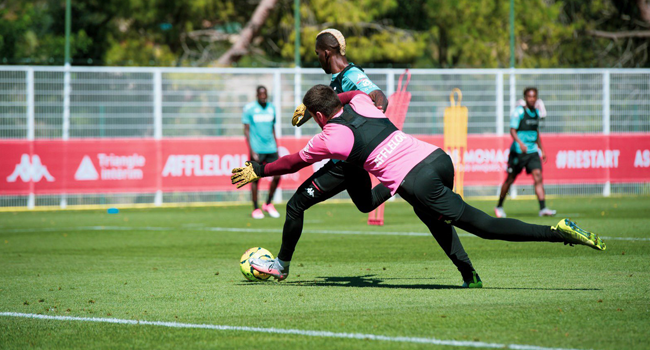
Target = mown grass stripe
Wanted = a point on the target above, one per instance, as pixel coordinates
(253, 230)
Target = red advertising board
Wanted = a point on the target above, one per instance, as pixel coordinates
(147, 165)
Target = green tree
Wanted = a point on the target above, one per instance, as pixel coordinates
(417, 33)
(28, 34)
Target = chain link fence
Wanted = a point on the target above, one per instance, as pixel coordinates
(109, 102)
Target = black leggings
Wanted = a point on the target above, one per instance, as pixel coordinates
(327, 182)
(428, 188)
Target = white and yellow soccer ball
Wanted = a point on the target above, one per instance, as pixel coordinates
(247, 270)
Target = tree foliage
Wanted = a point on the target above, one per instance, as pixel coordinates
(417, 33)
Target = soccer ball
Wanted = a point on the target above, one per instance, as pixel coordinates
(247, 270)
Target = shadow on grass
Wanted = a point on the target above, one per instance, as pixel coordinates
(371, 281)
(364, 282)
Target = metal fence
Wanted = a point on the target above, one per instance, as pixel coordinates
(39, 102)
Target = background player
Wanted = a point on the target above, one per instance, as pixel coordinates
(421, 173)
(259, 121)
(524, 129)
(330, 49)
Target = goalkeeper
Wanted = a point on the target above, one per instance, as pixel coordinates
(420, 172)
(336, 176)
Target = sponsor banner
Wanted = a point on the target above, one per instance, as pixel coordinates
(78, 166)
(147, 165)
(571, 158)
(206, 164)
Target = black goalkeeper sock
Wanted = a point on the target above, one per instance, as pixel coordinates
(500, 202)
(542, 204)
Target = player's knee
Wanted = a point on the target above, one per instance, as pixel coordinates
(366, 210)
(297, 205)
(294, 207)
(364, 207)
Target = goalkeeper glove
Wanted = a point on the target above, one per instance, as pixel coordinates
(300, 116)
(251, 172)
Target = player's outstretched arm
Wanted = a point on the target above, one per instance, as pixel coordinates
(301, 114)
(253, 171)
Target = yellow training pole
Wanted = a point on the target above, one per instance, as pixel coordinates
(456, 137)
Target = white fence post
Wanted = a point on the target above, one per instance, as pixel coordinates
(390, 83)
(607, 189)
(65, 132)
(277, 102)
(157, 105)
(30, 104)
(157, 126)
(297, 95)
(606, 104)
(31, 199)
(499, 104)
(513, 88)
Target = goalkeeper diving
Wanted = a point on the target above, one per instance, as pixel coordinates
(356, 131)
(336, 175)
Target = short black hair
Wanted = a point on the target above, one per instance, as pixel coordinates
(260, 87)
(530, 88)
(327, 41)
(322, 98)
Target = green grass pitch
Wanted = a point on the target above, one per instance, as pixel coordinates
(181, 265)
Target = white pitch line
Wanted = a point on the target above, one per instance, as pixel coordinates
(381, 233)
(257, 230)
(308, 333)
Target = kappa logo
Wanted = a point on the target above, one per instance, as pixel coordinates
(86, 170)
(30, 170)
(364, 82)
(310, 191)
